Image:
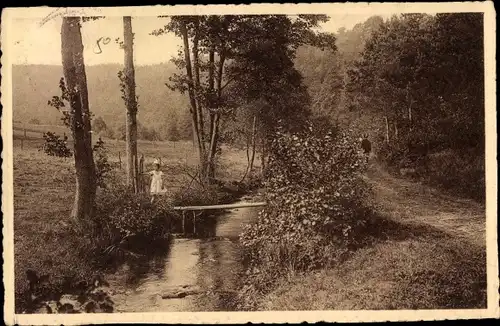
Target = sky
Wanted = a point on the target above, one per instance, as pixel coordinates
(36, 43)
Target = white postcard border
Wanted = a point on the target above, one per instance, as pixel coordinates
(492, 310)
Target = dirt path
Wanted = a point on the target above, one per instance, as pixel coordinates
(413, 202)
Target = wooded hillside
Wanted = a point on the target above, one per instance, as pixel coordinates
(34, 85)
(415, 85)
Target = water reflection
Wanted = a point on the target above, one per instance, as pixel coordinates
(197, 225)
(145, 267)
(220, 271)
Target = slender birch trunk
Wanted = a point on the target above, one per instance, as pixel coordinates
(254, 134)
(192, 99)
(386, 129)
(214, 137)
(131, 103)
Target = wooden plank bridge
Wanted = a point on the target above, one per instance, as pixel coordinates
(196, 209)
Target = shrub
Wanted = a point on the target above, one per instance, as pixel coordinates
(462, 172)
(143, 133)
(254, 181)
(102, 166)
(458, 170)
(173, 133)
(315, 204)
(196, 195)
(99, 125)
(124, 222)
(55, 146)
(130, 213)
(108, 133)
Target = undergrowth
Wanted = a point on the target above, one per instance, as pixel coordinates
(458, 171)
(315, 208)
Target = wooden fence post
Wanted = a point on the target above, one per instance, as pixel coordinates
(136, 177)
(141, 174)
(119, 160)
(194, 222)
(183, 222)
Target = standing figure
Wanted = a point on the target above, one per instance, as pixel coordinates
(367, 146)
(156, 180)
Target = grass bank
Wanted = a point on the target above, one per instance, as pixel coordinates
(45, 242)
(419, 272)
(425, 250)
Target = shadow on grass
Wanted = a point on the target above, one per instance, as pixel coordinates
(434, 270)
(383, 228)
(393, 266)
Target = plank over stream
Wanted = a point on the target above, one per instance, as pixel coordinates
(222, 206)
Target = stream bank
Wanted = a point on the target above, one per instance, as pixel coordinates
(196, 272)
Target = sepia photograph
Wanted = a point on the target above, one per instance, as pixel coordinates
(160, 163)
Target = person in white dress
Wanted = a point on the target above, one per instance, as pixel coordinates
(156, 180)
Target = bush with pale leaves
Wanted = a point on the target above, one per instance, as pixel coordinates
(315, 204)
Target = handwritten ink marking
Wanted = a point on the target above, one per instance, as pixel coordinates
(105, 40)
(61, 12)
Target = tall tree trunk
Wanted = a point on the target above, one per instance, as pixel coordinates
(254, 134)
(212, 108)
(247, 147)
(214, 137)
(213, 147)
(263, 154)
(131, 102)
(250, 148)
(196, 88)
(409, 112)
(386, 129)
(410, 100)
(194, 127)
(76, 83)
(192, 98)
(211, 73)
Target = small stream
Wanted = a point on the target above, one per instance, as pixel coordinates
(196, 275)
